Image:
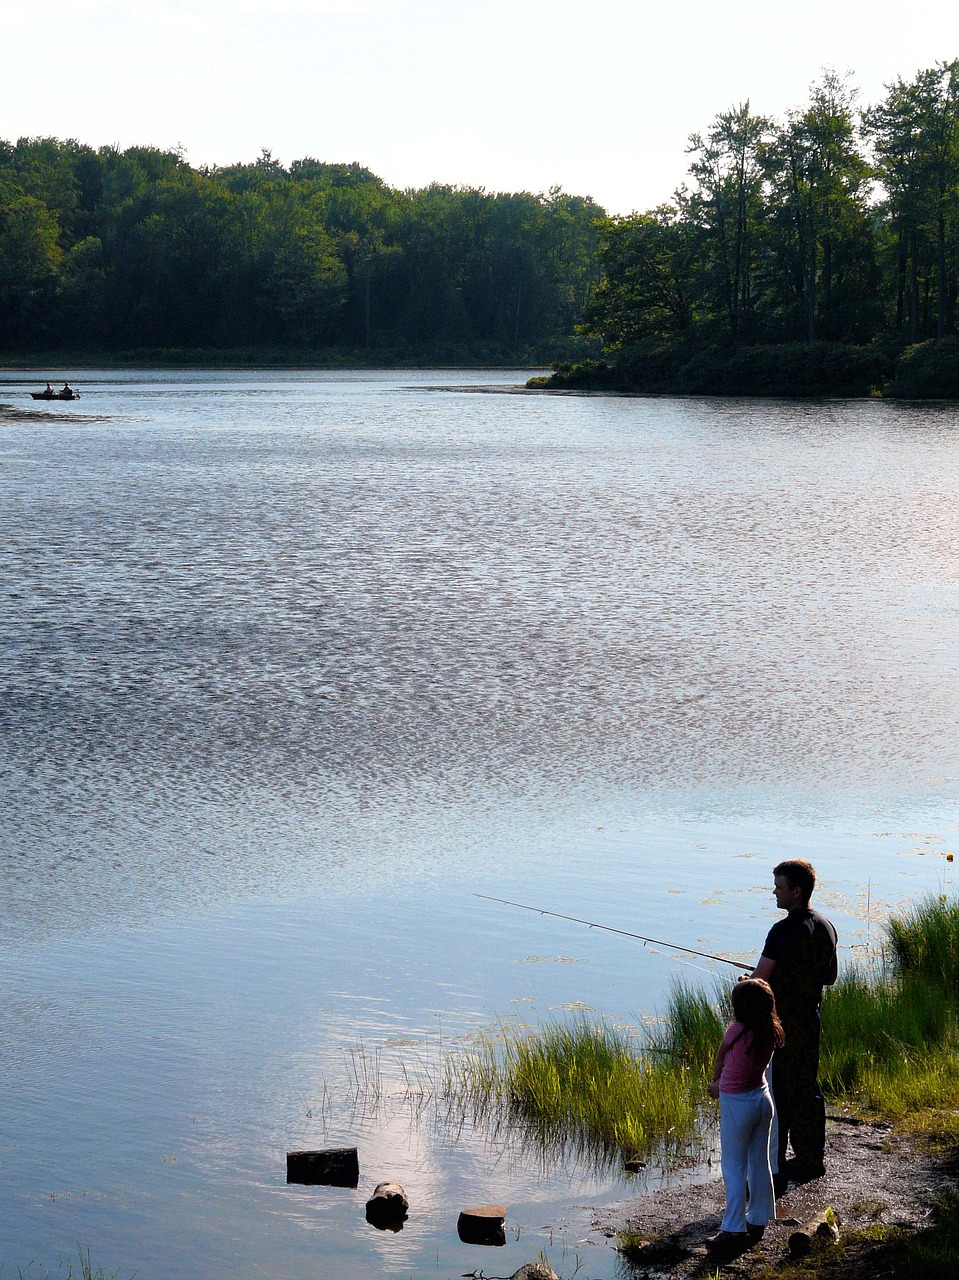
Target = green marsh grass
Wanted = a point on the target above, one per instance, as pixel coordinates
(890, 1033)
(925, 942)
(588, 1089)
(580, 1089)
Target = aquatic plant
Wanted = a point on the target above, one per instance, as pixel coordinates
(65, 1271)
(925, 942)
(890, 1034)
(581, 1088)
(692, 1026)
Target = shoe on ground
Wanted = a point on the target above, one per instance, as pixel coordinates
(755, 1233)
(807, 1171)
(729, 1244)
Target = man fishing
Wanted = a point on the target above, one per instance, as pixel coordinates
(798, 959)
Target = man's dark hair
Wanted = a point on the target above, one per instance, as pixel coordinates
(798, 874)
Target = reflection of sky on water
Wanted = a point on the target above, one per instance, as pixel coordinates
(291, 668)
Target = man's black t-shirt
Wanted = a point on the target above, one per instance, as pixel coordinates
(804, 949)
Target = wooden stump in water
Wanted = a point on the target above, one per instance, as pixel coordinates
(336, 1167)
(387, 1207)
(483, 1225)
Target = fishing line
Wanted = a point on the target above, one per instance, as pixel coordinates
(657, 942)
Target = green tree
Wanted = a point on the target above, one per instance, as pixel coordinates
(820, 223)
(728, 205)
(30, 257)
(915, 132)
(649, 274)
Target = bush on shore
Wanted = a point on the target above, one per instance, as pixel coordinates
(929, 370)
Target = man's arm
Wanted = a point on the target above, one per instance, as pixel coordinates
(764, 969)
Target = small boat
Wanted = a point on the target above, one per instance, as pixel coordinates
(55, 395)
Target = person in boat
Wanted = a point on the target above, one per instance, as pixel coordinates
(48, 390)
(798, 960)
(67, 393)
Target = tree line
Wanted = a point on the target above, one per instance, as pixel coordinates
(832, 234)
(103, 250)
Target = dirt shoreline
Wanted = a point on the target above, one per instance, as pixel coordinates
(874, 1175)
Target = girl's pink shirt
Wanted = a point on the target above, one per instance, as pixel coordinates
(743, 1070)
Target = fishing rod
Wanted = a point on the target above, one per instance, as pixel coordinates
(658, 942)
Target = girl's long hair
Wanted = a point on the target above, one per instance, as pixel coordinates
(754, 1005)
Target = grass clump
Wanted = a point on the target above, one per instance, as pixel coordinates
(582, 1088)
(692, 1027)
(890, 1037)
(925, 943)
(65, 1270)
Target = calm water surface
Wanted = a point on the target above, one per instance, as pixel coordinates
(293, 664)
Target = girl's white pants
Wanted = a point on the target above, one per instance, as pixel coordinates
(744, 1123)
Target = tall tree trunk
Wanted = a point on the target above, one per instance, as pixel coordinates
(941, 277)
(366, 309)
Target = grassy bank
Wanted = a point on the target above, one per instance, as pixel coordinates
(884, 1251)
(890, 1050)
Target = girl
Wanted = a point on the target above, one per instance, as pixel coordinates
(746, 1112)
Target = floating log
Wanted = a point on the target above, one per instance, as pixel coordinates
(483, 1225)
(821, 1229)
(336, 1167)
(388, 1207)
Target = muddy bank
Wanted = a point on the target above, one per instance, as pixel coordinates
(873, 1175)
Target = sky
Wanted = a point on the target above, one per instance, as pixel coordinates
(597, 98)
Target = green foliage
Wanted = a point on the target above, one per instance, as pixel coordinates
(581, 1088)
(928, 371)
(784, 369)
(890, 1043)
(692, 1027)
(114, 251)
(835, 230)
(890, 1040)
(925, 944)
(801, 258)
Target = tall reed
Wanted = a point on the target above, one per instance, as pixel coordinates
(925, 942)
(581, 1088)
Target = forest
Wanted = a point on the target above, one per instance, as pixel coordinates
(136, 252)
(818, 253)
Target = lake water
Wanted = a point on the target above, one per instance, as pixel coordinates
(292, 665)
